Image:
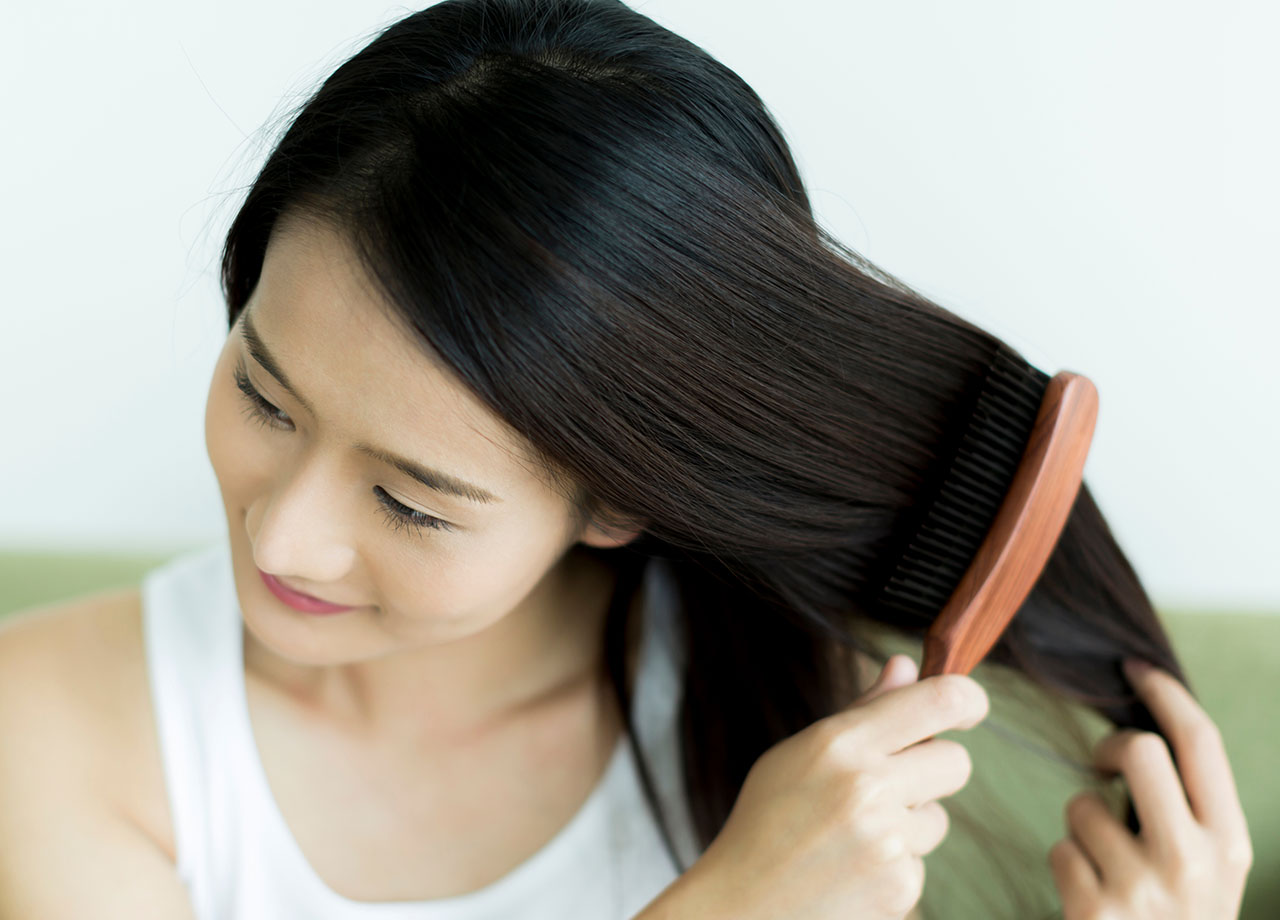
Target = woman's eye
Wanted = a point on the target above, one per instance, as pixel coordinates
(400, 515)
(259, 409)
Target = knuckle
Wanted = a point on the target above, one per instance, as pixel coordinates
(940, 820)
(862, 791)
(1184, 865)
(1146, 896)
(1078, 808)
(962, 758)
(832, 744)
(1059, 852)
(1101, 910)
(888, 849)
(983, 700)
(951, 694)
(1203, 733)
(1240, 854)
(1143, 748)
(954, 763)
(824, 736)
(944, 820)
(903, 886)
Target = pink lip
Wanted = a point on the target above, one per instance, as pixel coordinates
(297, 600)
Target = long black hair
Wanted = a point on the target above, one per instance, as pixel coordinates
(600, 229)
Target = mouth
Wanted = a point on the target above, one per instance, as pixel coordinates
(297, 600)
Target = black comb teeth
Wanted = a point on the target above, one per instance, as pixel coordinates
(967, 486)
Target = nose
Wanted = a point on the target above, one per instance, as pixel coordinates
(303, 526)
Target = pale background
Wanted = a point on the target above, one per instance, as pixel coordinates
(1093, 181)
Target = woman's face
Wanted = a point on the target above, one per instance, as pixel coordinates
(312, 499)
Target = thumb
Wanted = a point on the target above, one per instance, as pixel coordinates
(898, 671)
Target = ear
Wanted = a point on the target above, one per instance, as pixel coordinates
(595, 534)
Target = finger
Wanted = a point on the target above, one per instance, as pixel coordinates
(902, 716)
(1143, 759)
(929, 824)
(898, 671)
(1110, 847)
(904, 671)
(1075, 878)
(1205, 772)
(930, 770)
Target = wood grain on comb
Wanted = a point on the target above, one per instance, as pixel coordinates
(1023, 533)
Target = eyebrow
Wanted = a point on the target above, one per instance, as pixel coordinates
(433, 479)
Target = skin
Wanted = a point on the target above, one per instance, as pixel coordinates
(420, 746)
(835, 821)
(1192, 856)
(1189, 862)
(453, 672)
(465, 691)
(456, 629)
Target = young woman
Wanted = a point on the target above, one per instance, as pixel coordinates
(559, 449)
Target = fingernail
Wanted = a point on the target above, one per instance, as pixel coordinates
(1136, 668)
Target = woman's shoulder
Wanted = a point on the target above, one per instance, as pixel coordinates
(75, 700)
(76, 775)
(65, 659)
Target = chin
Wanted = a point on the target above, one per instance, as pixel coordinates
(291, 634)
(298, 637)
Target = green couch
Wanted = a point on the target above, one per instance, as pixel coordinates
(1233, 660)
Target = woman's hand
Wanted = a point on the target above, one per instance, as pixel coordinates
(1193, 852)
(833, 822)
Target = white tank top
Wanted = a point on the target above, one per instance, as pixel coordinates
(235, 851)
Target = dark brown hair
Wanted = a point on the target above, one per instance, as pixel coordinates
(601, 230)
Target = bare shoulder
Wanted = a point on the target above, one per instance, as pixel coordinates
(82, 801)
(75, 699)
(63, 667)
(65, 627)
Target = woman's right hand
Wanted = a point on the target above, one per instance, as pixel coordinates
(833, 822)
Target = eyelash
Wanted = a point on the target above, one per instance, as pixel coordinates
(398, 515)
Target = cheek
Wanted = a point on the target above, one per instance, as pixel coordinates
(454, 590)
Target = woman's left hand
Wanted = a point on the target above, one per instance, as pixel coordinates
(1192, 854)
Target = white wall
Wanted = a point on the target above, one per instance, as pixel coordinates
(1093, 181)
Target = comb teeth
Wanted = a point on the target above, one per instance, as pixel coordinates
(971, 485)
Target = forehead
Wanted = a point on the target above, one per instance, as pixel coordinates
(368, 376)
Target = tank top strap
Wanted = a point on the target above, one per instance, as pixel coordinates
(192, 640)
(659, 693)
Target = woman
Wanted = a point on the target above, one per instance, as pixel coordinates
(558, 446)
